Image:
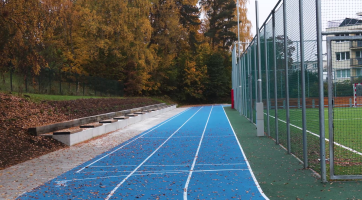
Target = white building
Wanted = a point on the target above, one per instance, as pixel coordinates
(346, 55)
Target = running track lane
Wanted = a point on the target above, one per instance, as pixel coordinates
(194, 155)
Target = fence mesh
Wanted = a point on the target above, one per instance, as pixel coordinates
(345, 64)
(342, 59)
(54, 82)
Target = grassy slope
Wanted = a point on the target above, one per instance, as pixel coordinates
(280, 175)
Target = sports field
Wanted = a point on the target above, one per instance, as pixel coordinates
(193, 155)
(347, 136)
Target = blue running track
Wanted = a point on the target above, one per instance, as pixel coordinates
(193, 155)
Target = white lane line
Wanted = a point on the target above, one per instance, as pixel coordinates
(166, 165)
(340, 145)
(119, 184)
(247, 162)
(166, 171)
(154, 173)
(195, 158)
(133, 140)
(220, 170)
(223, 164)
(192, 137)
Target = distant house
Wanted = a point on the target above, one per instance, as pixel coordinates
(346, 55)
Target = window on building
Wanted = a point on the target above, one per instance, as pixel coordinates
(344, 73)
(358, 72)
(358, 54)
(338, 41)
(342, 56)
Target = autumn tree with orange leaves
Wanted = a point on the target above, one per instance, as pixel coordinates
(157, 47)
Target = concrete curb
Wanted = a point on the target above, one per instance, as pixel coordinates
(89, 133)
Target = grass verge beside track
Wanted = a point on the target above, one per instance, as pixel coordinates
(280, 175)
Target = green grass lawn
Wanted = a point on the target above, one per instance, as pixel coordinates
(347, 132)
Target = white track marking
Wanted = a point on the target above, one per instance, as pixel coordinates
(247, 162)
(223, 164)
(61, 183)
(124, 180)
(162, 171)
(169, 171)
(195, 158)
(154, 173)
(166, 165)
(191, 137)
(133, 140)
(340, 145)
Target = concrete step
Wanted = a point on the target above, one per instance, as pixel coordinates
(121, 118)
(108, 121)
(68, 131)
(92, 125)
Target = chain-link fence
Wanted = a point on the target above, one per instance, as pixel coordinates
(343, 35)
(56, 82)
(311, 83)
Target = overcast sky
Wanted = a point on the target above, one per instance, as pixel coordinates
(331, 10)
(265, 7)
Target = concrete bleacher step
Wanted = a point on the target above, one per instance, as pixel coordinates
(92, 125)
(90, 130)
(139, 113)
(108, 121)
(40, 130)
(121, 118)
(67, 131)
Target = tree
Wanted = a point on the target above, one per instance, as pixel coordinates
(217, 83)
(23, 35)
(280, 55)
(220, 14)
(189, 19)
(244, 24)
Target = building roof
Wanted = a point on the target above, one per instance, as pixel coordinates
(351, 22)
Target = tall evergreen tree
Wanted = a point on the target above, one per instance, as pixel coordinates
(220, 14)
(189, 19)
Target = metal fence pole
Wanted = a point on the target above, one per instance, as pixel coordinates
(321, 91)
(304, 107)
(239, 63)
(255, 79)
(246, 83)
(238, 86)
(259, 106)
(275, 83)
(251, 89)
(233, 73)
(258, 52)
(286, 74)
(243, 86)
(267, 82)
